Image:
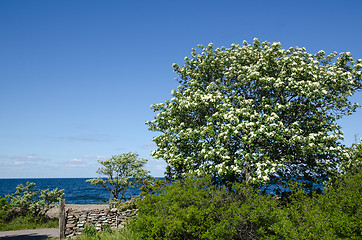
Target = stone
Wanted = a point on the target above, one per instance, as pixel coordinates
(70, 225)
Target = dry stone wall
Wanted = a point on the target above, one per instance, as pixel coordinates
(101, 219)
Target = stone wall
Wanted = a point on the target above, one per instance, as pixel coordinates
(113, 218)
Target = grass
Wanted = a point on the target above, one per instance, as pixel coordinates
(26, 222)
(119, 234)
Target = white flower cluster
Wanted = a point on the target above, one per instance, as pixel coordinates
(264, 170)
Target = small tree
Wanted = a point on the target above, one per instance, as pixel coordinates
(257, 113)
(122, 171)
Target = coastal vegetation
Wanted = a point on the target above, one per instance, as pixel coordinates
(27, 208)
(196, 208)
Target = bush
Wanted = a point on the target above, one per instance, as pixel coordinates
(336, 214)
(129, 205)
(106, 228)
(4, 209)
(27, 200)
(152, 186)
(196, 209)
(89, 229)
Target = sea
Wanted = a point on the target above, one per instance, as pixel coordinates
(77, 190)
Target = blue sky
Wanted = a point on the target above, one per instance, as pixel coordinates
(77, 78)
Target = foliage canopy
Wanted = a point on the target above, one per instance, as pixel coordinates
(122, 172)
(257, 113)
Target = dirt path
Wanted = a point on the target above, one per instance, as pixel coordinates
(33, 234)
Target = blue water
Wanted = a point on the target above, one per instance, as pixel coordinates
(77, 191)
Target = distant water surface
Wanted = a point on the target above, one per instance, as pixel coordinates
(77, 191)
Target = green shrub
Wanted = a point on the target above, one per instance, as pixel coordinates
(336, 214)
(342, 204)
(130, 204)
(152, 187)
(89, 229)
(27, 200)
(106, 228)
(4, 210)
(196, 209)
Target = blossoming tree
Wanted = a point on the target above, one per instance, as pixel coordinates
(257, 113)
(122, 172)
